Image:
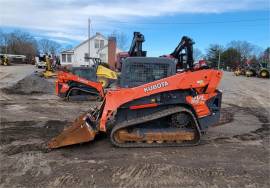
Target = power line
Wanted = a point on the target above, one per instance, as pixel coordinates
(186, 23)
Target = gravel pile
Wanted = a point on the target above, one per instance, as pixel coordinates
(30, 85)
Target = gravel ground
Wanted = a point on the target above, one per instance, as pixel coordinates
(31, 84)
(18, 73)
(234, 153)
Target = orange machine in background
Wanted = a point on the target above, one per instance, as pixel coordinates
(69, 85)
(85, 82)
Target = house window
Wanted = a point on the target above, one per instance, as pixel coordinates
(64, 57)
(69, 58)
(101, 45)
(96, 43)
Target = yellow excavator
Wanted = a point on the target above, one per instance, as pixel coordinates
(49, 72)
(105, 75)
(102, 71)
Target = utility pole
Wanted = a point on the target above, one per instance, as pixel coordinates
(218, 59)
(89, 23)
(218, 50)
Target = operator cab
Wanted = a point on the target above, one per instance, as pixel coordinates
(88, 73)
(141, 70)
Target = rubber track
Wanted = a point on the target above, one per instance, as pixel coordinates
(80, 89)
(154, 116)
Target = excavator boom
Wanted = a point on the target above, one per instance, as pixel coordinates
(183, 58)
(135, 50)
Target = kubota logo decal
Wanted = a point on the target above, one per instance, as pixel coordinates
(156, 86)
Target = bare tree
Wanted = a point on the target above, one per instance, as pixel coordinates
(18, 42)
(121, 39)
(65, 48)
(54, 47)
(246, 49)
(43, 46)
(48, 46)
(3, 42)
(197, 54)
(266, 54)
(2, 37)
(264, 57)
(230, 58)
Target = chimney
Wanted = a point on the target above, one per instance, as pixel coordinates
(112, 52)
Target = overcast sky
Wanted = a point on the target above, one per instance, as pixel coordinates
(162, 21)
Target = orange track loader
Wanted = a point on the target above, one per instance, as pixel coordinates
(154, 105)
(80, 83)
(69, 85)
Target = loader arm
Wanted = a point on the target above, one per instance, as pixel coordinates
(135, 50)
(136, 45)
(185, 44)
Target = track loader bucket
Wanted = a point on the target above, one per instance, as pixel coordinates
(79, 132)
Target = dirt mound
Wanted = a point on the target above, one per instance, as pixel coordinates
(29, 85)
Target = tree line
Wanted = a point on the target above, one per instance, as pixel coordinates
(23, 43)
(236, 54)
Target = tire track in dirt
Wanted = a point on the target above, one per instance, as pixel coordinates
(229, 114)
(11, 131)
(32, 130)
(164, 175)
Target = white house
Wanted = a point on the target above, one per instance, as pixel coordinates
(100, 47)
(67, 57)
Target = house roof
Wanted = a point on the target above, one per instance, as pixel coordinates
(91, 38)
(68, 51)
(101, 49)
